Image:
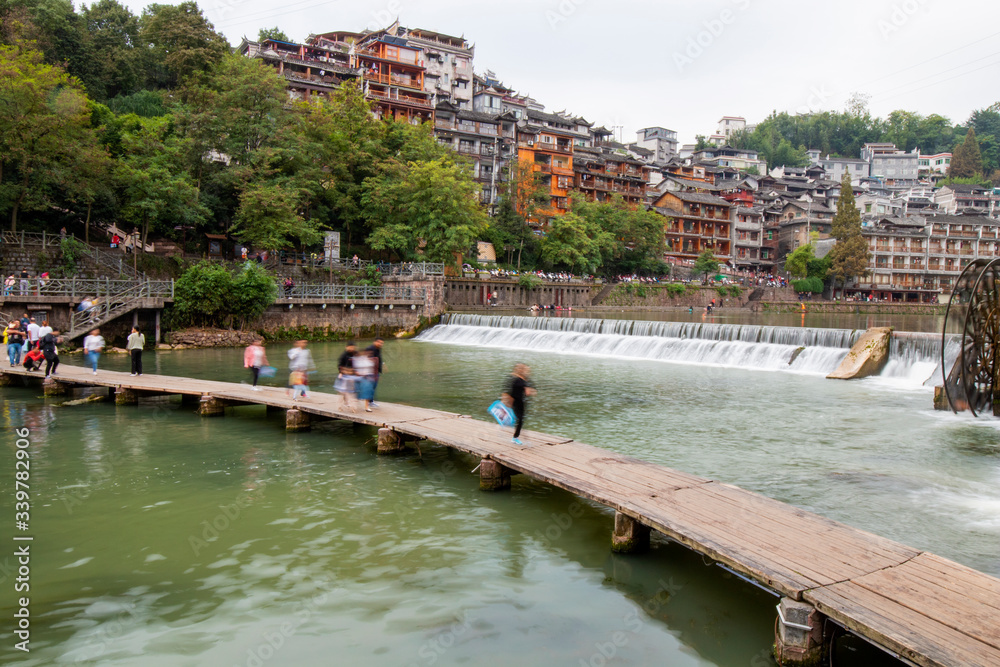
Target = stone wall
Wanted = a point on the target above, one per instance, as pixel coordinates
(461, 293)
(211, 338)
(336, 321)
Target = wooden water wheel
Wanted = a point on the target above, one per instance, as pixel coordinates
(974, 309)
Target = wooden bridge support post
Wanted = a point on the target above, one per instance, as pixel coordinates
(296, 420)
(629, 535)
(8, 380)
(389, 442)
(211, 407)
(798, 640)
(493, 476)
(125, 396)
(52, 387)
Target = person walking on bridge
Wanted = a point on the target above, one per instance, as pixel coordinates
(136, 341)
(255, 358)
(48, 347)
(375, 350)
(92, 346)
(519, 388)
(299, 364)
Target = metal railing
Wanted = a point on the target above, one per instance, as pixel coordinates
(351, 292)
(22, 239)
(103, 287)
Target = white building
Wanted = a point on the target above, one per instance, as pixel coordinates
(728, 125)
(661, 141)
(448, 63)
(937, 163)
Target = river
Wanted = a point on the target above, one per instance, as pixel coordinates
(165, 538)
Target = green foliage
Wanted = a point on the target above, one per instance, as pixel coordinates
(209, 294)
(573, 243)
(71, 251)
(677, 289)
(810, 284)
(629, 240)
(967, 162)
(529, 280)
(274, 33)
(182, 39)
(797, 262)
(705, 264)
(369, 276)
(729, 290)
(426, 208)
(849, 257)
(144, 103)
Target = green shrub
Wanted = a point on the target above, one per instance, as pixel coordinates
(529, 280)
(209, 294)
(71, 250)
(368, 276)
(811, 284)
(677, 289)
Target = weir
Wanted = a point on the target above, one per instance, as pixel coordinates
(913, 358)
(924, 608)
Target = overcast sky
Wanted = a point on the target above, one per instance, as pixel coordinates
(683, 65)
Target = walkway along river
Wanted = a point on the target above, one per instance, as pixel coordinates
(452, 385)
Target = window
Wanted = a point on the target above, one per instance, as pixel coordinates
(770, 235)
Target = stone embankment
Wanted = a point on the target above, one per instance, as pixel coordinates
(188, 338)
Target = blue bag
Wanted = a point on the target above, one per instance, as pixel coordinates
(268, 371)
(503, 414)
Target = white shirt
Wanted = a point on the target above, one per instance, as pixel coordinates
(33, 332)
(299, 359)
(44, 330)
(93, 343)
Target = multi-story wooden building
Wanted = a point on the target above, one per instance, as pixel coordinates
(748, 239)
(309, 70)
(916, 258)
(488, 141)
(696, 222)
(545, 146)
(601, 174)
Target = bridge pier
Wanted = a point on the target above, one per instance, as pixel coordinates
(798, 638)
(125, 396)
(209, 406)
(389, 442)
(8, 380)
(493, 476)
(629, 536)
(296, 420)
(51, 387)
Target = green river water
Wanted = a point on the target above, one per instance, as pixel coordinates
(165, 538)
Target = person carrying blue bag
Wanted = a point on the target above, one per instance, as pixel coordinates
(518, 389)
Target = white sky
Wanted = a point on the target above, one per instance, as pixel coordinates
(683, 65)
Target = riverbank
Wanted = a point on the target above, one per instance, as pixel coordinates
(186, 339)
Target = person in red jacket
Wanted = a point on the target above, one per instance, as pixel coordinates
(33, 360)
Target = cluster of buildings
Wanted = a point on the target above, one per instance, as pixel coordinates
(716, 198)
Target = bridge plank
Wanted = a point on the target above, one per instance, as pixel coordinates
(926, 608)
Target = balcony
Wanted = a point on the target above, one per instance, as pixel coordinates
(406, 59)
(401, 99)
(394, 80)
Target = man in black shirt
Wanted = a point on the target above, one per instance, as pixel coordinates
(520, 387)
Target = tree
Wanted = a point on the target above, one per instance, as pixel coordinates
(705, 265)
(157, 191)
(966, 161)
(528, 195)
(183, 39)
(797, 262)
(272, 33)
(849, 256)
(572, 243)
(701, 141)
(630, 240)
(268, 217)
(424, 207)
(119, 61)
(45, 123)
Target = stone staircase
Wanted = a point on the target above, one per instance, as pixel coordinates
(108, 308)
(605, 291)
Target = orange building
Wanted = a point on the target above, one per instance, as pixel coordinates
(696, 222)
(545, 145)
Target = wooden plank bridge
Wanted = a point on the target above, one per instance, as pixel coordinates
(922, 608)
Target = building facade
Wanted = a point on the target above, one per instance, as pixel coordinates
(661, 141)
(487, 141)
(696, 222)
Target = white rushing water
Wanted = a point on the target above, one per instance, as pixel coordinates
(914, 358)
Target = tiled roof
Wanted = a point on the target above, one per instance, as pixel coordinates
(699, 198)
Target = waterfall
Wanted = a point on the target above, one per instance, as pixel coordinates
(914, 358)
